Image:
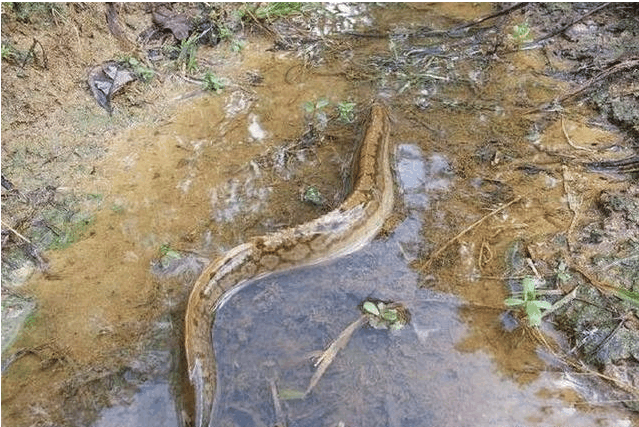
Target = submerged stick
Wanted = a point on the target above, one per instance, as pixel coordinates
(327, 357)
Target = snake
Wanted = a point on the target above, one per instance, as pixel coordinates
(342, 231)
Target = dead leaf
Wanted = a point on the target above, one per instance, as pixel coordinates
(106, 80)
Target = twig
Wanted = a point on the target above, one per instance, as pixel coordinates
(572, 144)
(531, 264)
(491, 16)
(563, 301)
(15, 232)
(467, 229)
(574, 204)
(280, 419)
(45, 62)
(327, 357)
(629, 63)
(608, 337)
(605, 73)
(565, 27)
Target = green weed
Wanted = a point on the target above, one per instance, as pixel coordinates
(212, 82)
(116, 208)
(224, 32)
(237, 45)
(32, 11)
(313, 196)
(562, 272)
(168, 255)
(313, 108)
(521, 33)
(9, 53)
(187, 55)
(383, 315)
(143, 73)
(532, 306)
(346, 111)
(271, 11)
(315, 113)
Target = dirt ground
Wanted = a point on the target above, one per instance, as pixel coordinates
(109, 214)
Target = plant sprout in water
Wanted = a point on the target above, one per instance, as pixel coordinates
(529, 301)
(385, 315)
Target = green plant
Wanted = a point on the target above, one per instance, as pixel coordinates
(143, 73)
(270, 11)
(8, 53)
(346, 111)
(32, 11)
(314, 107)
(31, 320)
(521, 33)
(168, 255)
(315, 114)
(532, 306)
(117, 208)
(562, 272)
(224, 32)
(313, 196)
(382, 314)
(188, 50)
(212, 83)
(237, 45)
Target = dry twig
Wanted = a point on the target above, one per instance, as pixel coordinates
(327, 357)
(573, 22)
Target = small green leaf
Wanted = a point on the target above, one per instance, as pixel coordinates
(529, 288)
(390, 315)
(542, 304)
(534, 314)
(321, 103)
(309, 107)
(627, 295)
(563, 276)
(513, 302)
(371, 308)
(291, 394)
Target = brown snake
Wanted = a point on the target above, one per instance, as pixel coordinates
(340, 232)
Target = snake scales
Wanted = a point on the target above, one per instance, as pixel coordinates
(342, 231)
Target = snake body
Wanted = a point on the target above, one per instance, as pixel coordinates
(342, 231)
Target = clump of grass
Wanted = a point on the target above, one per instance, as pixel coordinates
(8, 53)
(32, 11)
(212, 83)
(271, 11)
(529, 302)
(187, 55)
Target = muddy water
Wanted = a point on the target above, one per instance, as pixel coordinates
(415, 376)
(175, 194)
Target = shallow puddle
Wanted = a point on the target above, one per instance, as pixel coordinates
(480, 176)
(415, 376)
